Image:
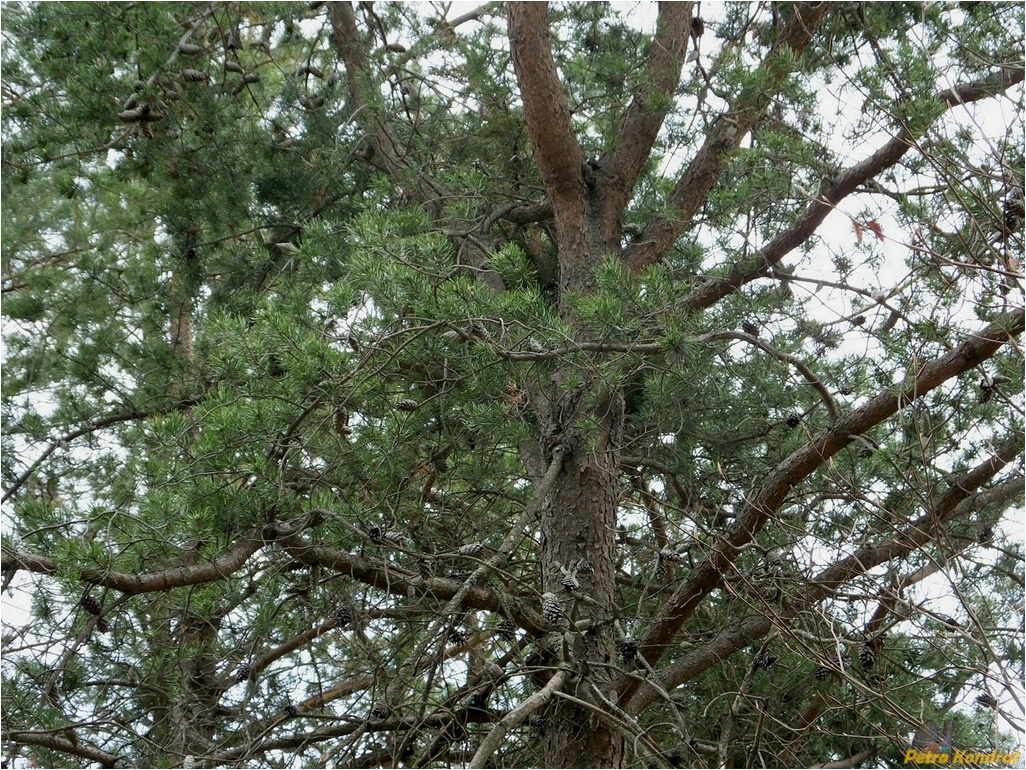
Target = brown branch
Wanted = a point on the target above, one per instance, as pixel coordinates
(924, 528)
(855, 760)
(547, 113)
(723, 138)
(385, 146)
(56, 743)
(187, 575)
(958, 501)
(388, 578)
(841, 187)
(803, 462)
(648, 110)
(386, 151)
(353, 726)
(787, 358)
(511, 720)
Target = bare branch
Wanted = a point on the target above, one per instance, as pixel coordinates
(787, 358)
(516, 717)
(187, 575)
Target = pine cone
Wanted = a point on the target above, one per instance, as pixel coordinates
(407, 405)
(552, 608)
(341, 422)
(245, 672)
(570, 582)
(506, 630)
(458, 636)
(669, 554)
(762, 660)
(471, 549)
(90, 605)
(393, 537)
(866, 656)
(985, 536)
(1013, 211)
(824, 672)
(628, 650)
(343, 617)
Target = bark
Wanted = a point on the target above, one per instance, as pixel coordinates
(558, 155)
(578, 522)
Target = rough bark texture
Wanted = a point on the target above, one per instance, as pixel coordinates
(579, 523)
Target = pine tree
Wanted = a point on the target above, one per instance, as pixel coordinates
(540, 386)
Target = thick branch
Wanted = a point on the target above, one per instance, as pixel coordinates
(559, 157)
(645, 115)
(843, 185)
(960, 500)
(222, 567)
(398, 582)
(557, 153)
(923, 529)
(754, 514)
(386, 150)
(723, 138)
(56, 743)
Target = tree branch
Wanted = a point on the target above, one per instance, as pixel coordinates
(791, 471)
(51, 741)
(90, 427)
(843, 185)
(516, 717)
(648, 110)
(787, 358)
(557, 153)
(722, 139)
(927, 527)
(219, 569)
(386, 150)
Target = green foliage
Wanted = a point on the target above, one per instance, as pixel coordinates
(257, 396)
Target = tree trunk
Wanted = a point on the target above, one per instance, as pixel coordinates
(578, 529)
